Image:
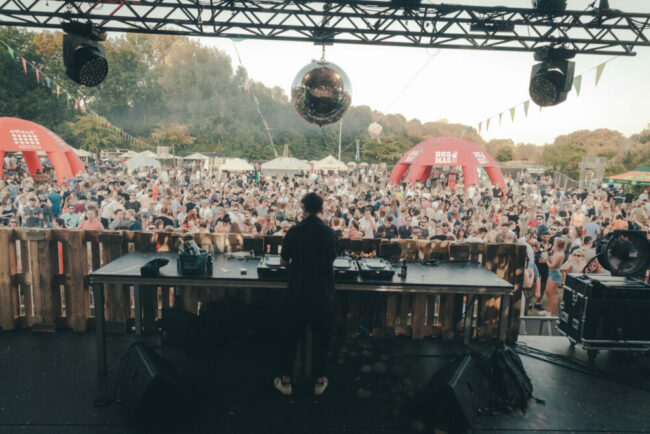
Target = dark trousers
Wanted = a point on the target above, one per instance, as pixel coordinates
(319, 317)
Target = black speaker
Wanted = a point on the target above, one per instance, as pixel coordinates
(149, 389)
(454, 395)
(181, 331)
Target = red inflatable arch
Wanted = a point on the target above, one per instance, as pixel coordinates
(18, 135)
(446, 151)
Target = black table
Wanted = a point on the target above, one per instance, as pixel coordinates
(446, 278)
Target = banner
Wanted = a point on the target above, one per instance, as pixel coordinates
(526, 105)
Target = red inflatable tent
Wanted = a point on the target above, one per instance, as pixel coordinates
(446, 151)
(18, 135)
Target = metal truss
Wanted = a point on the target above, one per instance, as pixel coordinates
(375, 22)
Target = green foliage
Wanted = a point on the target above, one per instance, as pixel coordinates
(504, 154)
(564, 157)
(89, 134)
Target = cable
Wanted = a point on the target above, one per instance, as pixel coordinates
(579, 366)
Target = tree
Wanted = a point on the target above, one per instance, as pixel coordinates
(175, 135)
(504, 154)
(90, 134)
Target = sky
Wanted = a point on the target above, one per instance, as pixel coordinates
(468, 86)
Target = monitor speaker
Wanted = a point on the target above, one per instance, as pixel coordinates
(454, 395)
(149, 389)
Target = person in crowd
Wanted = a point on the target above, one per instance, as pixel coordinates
(70, 218)
(554, 275)
(91, 222)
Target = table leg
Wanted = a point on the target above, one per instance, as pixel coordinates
(137, 295)
(309, 348)
(467, 322)
(503, 317)
(100, 332)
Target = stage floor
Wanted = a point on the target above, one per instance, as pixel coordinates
(48, 384)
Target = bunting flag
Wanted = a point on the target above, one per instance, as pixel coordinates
(599, 72)
(76, 104)
(11, 53)
(500, 117)
(24, 64)
(526, 105)
(47, 82)
(487, 125)
(577, 84)
(38, 77)
(480, 125)
(58, 91)
(512, 114)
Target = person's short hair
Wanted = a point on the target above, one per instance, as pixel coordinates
(587, 239)
(389, 218)
(312, 203)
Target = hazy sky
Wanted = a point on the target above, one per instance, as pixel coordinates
(468, 86)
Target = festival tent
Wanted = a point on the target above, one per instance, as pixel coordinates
(236, 165)
(148, 154)
(196, 156)
(130, 154)
(141, 161)
(638, 176)
(446, 151)
(82, 153)
(352, 165)
(284, 166)
(330, 163)
(29, 138)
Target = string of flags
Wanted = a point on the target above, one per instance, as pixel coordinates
(78, 103)
(525, 105)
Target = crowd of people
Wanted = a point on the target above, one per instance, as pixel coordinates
(558, 226)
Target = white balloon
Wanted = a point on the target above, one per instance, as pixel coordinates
(375, 130)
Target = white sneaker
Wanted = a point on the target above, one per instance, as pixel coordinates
(543, 313)
(284, 389)
(319, 388)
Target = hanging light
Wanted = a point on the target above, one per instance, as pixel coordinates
(551, 80)
(321, 92)
(84, 58)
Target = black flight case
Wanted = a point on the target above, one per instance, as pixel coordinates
(605, 313)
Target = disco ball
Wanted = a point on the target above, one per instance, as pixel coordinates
(321, 93)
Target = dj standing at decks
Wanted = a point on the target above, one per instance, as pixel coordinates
(309, 250)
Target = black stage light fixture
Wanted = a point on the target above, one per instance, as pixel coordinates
(624, 253)
(83, 56)
(551, 80)
(550, 5)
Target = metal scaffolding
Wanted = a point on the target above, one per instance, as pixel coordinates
(385, 23)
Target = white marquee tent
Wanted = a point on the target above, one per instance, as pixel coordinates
(196, 156)
(284, 166)
(330, 163)
(148, 154)
(141, 161)
(236, 165)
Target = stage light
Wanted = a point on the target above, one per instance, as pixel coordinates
(550, 4)
(551, 80)
(84, 58)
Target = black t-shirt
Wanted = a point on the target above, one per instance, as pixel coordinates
(135, 205)
(391, 232)
(311, 247)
